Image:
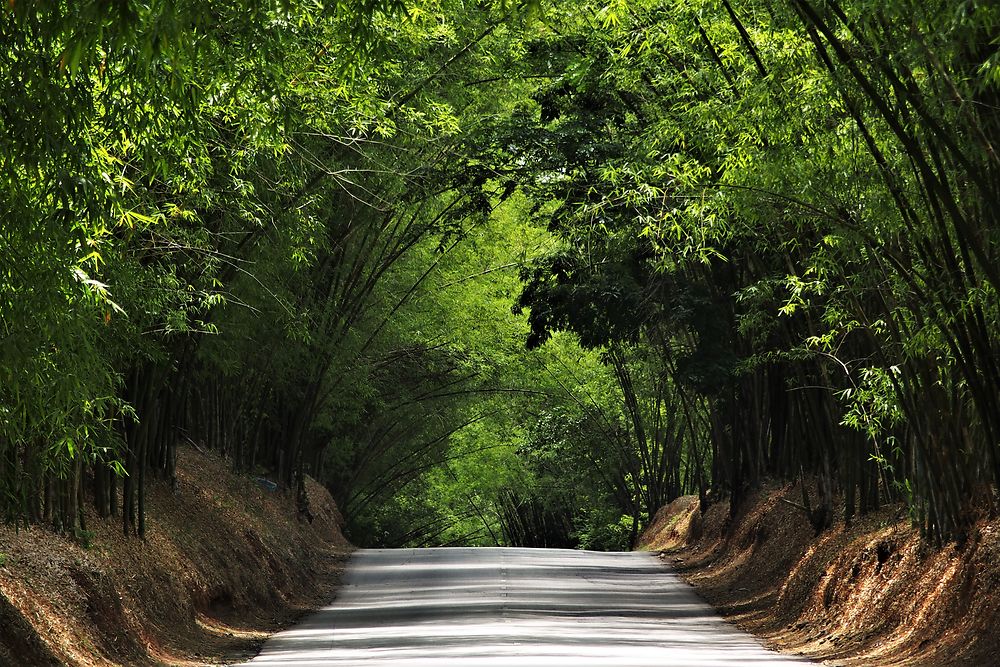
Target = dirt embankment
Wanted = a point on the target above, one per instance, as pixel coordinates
(224, 563)
(869, 594)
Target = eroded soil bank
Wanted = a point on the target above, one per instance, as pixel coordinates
(225, 562)
(868, 594)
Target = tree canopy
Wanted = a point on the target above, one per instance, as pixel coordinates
(502, 273)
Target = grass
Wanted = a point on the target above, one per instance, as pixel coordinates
(84, 537)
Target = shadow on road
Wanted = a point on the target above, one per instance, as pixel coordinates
(523, 607)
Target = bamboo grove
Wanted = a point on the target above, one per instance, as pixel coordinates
(793, 205)
(738, 239)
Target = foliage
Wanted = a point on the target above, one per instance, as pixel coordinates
(740, 239)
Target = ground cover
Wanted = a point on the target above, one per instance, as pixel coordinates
(225, 562)
(867, 594)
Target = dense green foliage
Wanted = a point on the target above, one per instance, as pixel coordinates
(502, 273)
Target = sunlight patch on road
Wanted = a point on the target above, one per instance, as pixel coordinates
(517, 607)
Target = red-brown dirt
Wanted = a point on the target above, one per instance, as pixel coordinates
(865, 595)
(224, 564)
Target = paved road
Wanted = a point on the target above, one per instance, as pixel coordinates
(517, 607)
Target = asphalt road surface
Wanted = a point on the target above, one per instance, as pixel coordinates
(517, 607)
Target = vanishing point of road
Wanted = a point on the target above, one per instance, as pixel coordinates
(493, 607)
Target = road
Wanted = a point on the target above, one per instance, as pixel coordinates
(517, 607)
